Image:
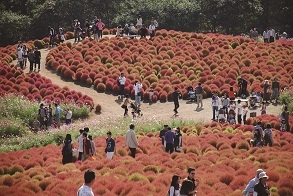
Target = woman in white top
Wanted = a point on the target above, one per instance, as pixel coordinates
(175, 186)
(139, 22)
(137, 92)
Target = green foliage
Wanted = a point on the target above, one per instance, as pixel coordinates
(13, 107)
(285, 97)
(13, 27)
(30, 19)
(12, 127)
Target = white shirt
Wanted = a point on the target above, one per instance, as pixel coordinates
(172, 189)
(122, 80)
(69, 114)
(265, 35)
(137, 88)
(139, 21)
(216, 101)
(80, 143)
(85, 190)
(244, 111)
(239, 109)
(152, 28)
(250, 186)
(272, 32)
(19, 52)
(233, 107)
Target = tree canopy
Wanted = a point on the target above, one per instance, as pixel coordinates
(29, 19)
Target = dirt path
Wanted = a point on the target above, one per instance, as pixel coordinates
(111, 106)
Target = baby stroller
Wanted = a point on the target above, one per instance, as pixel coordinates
(231, 117)
(136, 111)
(191, 93)
(255, 100)
(221, 115)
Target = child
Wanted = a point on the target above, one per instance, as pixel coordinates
(244, 111)
(151, 93)
(125, 105)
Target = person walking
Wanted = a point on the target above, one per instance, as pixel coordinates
(89, 179)
(80, 144)
(199, 92)
(77, 30)
(110, 146)
(215, 105)
(37, 59)
(162, 136)
(152, 29)
(87, 147)
(137, 92)
(176, 95)
(68, 117)
(178, 140)
(191, 177)
(57, 114)
(31, 59)
(262, 188)
(121, 82)
(169, 138)
(67, 150)
(276, 90)
(100, 26)
(175, 186)
(131, 140)
(249, 189)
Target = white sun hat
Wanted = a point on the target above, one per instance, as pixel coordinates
(263, 175)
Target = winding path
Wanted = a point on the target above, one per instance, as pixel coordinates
(111, 106)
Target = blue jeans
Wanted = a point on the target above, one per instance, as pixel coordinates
(137, 100)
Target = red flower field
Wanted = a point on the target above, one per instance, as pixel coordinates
(174, 59)
(36, 87)
(224, 160)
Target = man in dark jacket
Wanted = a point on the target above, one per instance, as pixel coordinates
(176, 95)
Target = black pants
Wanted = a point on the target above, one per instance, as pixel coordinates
(31, 65)
(176, 106)
(272, 39)
(244, 119)
(79, 156)
(121, 89)
(100, 33)
(170, 147)
(239, 119)
(132, 152)
(125, 110)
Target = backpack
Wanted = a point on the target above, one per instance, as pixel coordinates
(67, 148)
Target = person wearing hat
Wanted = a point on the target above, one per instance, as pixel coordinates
(261, 188)
(110, 146)
(249, 189)
(61, 35)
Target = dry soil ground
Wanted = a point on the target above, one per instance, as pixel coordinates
(163, 111)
